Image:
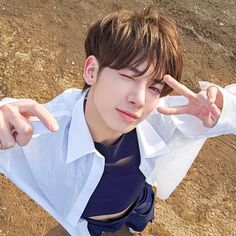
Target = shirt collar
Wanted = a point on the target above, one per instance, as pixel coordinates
(80, 141)
(150, 143)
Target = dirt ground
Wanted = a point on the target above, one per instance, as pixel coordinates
(41, 54)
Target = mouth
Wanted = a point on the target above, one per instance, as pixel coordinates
(127, 116)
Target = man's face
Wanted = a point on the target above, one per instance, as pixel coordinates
(122, 100)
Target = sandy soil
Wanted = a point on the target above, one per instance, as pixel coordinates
(41, 54)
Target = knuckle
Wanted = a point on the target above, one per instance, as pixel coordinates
(27, 130)
(29, 102)
(35, 106)
(23, 140)
(24, 135)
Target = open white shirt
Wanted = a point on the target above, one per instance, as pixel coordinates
(61, 170)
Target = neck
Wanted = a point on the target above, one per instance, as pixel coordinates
(100, 132)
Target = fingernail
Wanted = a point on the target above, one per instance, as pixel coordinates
(55, 126)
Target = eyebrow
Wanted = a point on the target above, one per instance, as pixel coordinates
(159, 81)
(155, 81)
(136, 71)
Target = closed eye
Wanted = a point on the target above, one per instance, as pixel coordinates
(127, 76)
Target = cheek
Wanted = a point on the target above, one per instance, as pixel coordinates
(105, 98)
(110, 92)
(151, 104)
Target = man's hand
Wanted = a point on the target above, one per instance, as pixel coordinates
(206, 105)
(15, 124)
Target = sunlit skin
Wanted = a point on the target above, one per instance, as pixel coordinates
(205, 105)
(15, 126)
(119, 99)
(112, 93)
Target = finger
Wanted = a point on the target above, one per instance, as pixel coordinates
(35, 109)
(206, 118)
(215, 97)
(215, 111)
(212, 93)
(178, 87)
(14, 128)
(22, 130)
(202, 97)
(6, 137)
(178, 110)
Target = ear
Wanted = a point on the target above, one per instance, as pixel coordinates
(91, 68)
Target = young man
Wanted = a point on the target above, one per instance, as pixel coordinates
(94, 174)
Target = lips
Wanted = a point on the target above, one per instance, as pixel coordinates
(128, 116)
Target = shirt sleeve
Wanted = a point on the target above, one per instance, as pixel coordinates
(5, 101)
(185, 136)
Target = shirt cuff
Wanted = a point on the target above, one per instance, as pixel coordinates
(5, 101)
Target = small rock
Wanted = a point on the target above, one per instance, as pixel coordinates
(22, 56)
(38, 65)
(3, 54)
(7, 39)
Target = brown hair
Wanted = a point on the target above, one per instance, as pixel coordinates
(126, 39)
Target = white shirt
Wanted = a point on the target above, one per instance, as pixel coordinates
(61, 170)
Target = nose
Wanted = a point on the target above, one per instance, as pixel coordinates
(138, 96)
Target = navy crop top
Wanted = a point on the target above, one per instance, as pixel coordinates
(122, 181)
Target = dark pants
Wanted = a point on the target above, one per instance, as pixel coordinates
(137, 217)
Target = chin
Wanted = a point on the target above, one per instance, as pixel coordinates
(122, 128)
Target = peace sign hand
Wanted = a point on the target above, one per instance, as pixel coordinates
(205, 105)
